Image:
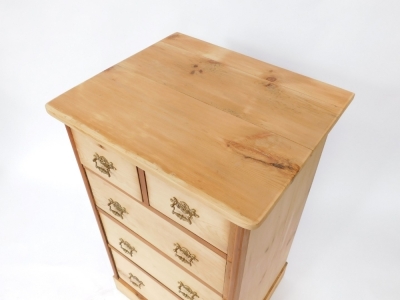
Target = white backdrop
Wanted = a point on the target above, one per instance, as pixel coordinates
(348, 242)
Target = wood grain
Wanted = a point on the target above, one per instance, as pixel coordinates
(233, 130)
(159, 232)
(127, 290)
(161, 215)
(335, 98)
(188, 233)
(238, 243)
(269, 244)
(276, 283)
(92, 202)
(125, 176)
(155, 262)
(237, 139)
(209, 225)
(274, 107)
(151, 288)
(243, 166)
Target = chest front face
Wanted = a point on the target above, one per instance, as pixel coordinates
(198, 162)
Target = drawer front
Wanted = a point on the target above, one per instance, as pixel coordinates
(179, 206)
(152, 261)
(140, 280)
(160, 233)
(121, 173)
(125, 289)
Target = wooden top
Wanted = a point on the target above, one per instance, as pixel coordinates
(225, 126)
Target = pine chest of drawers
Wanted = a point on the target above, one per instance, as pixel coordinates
(198, 162)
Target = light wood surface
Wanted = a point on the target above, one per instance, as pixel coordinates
(125, 176)
(236, 139)
(207, 120)
(209, 225)
(154, 262)
(169, 280)
(336, 99)
(277, 108)
(159, 232)
(92, 201)
(276, 283)
(238, 243)
(128, 291)
(151, 288)
(269, 245)
(164, 217)
(240, 164)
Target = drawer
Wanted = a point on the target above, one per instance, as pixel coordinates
(151, 260)
(159, 232)
(140, 280)
(122, 173)
(126, 289)
(178, 205)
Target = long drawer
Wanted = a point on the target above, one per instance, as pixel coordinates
(183, 208)
(159, 232)
(108, 164)
(140, 280)
(151, 260)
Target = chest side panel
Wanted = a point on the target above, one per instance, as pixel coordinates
(269, 244)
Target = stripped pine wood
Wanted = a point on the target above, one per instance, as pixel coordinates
(91, 198)
(150, 287)
(243, 166)
(236, 139)
(276, 283)
(208, 225)
(128, 291)
(281, 110)
(238, 243)
(158, 232)
(253, 131)
(336, 98)
(269, 245)
(124, 176)
(154, 261)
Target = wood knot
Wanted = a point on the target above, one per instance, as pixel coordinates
(196, 70)
(263, 156)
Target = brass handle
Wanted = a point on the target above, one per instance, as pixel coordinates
(116, 208)
(185, 213)
(186, 291)
(126, 247)
(105, 166)
(184, 254)
(135, 281)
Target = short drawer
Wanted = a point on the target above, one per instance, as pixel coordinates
(185, 209)
(108, 164)
(140, 280)
(151, 260)
(209, 266)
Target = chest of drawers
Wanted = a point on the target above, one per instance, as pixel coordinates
(198, 161)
